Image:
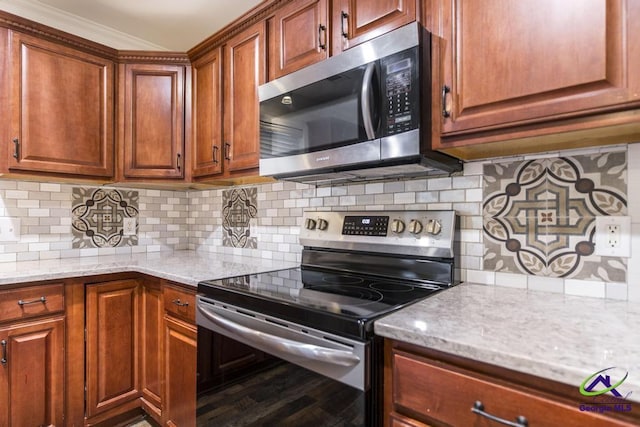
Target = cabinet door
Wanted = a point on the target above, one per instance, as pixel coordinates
(207, 114)
(153, 145)
(112, 322)
(62, 109)
(356, 21)
(299, 36)
(509, 63)
(180, 373)
(152, 347)
(32, 374)
(244, 71)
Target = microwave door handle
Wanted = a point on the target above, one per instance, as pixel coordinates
(365, 103)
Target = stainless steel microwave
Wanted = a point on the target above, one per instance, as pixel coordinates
(360, 115)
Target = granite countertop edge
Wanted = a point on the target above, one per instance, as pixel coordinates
(186, 267)
(555, 336)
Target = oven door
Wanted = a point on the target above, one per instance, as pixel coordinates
(322, 380)
(332, 122)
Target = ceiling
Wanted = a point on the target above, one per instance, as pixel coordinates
(175, 25)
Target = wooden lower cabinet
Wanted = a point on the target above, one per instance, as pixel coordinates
(180, 373)
(112, 346)
(151, 355)
(32, 373)
(425, 387)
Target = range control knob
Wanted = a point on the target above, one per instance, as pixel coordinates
(322, 224)
(397, 226)
(415, 226)
(310, 224)
(433, 227)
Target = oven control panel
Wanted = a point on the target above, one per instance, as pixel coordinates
(365, 225)
(400, 232)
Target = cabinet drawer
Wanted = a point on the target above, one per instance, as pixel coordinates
(180, 303)
(434, 393)
(31, 301)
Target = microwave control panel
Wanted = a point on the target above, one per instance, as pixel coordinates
(400, 81)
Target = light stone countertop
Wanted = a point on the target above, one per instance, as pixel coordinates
(554, 336)
(186, 267)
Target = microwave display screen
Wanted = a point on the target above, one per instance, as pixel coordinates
(399, 66)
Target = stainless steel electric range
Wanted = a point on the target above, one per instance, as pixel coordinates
(356, 267)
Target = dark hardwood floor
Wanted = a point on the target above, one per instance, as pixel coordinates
(283, 396)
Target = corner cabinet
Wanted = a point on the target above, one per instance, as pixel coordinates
(152, 121)
(32, 356)
(62, 109)
(507, 71)
(424, 387)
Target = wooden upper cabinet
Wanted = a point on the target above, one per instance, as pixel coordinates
(244, 71)
(510, 63)
(153, 145)
(299, 36)
(62, 109)
(207, 114)
(356, 21)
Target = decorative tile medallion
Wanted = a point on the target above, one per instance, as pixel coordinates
(98, 217)
(238, 207)
(539, 215)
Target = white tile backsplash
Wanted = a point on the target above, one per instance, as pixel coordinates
(173, 220)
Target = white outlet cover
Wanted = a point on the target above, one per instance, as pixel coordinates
(9, 229)
(601, 240)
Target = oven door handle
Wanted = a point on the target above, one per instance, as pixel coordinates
(280, 345)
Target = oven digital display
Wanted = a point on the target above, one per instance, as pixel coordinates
(365, 225)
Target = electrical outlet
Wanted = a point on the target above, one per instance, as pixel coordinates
(613, 236)
(9, 229)
(128, 226)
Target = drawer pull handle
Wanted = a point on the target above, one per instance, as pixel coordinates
(180, 303)
(478, 408)
(4, 352)
(35, 301)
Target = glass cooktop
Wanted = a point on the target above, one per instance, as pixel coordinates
(343, 302)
